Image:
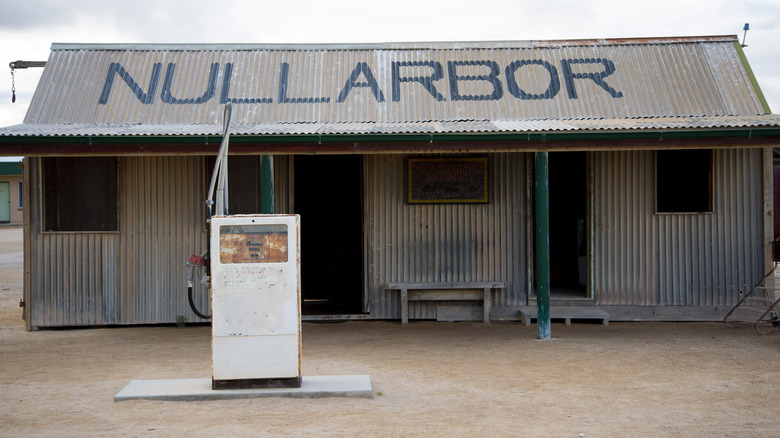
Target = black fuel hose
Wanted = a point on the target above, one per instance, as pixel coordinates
(192, 304)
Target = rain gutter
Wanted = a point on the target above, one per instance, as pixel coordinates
(68, 145)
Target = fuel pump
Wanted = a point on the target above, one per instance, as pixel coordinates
(252, 267)
(256, 306)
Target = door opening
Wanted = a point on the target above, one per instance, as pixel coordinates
(328, 196)
(5, 202)
(568, 224)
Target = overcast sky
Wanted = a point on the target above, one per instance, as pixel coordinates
(28, 27)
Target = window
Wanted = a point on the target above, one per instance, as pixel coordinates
(20, 196)
(683, 181)
(80, 194)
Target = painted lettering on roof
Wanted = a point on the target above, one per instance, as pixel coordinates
(366, 87)
(461, 85)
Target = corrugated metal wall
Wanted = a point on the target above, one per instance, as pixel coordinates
(77, 285)
(162, 222)
(73, 277)
(444, 242)
(138, 275)
(642, 258)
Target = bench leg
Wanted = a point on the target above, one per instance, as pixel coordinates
(404, 306)
(486, 305)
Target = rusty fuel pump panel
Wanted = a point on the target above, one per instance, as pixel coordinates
(253, 244)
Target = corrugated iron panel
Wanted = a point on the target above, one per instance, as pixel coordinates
(444, 242)
(607, 80)
(643, 258)
(136, 275)
(73, 276)
(75, 280)
(162, 219)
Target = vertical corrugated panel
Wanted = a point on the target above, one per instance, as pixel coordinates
(138, 275)
(643, 258)
(162, 222)
(73, 275)
(75, 279)
(444, 242)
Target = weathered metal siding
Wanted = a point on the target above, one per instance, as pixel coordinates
(73, 276)
(643, 258)
(136, 275)
(162, 218)
(76, 284)
(444, 242)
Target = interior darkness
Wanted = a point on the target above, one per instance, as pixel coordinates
(243, 183)
(684, 181)
(328, 198)
(568, 208)
(80, 194)
(776, 184)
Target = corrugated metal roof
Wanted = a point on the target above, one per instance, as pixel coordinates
(531, 86)
(430, 127)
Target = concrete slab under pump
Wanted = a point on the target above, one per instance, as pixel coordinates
(200, 389)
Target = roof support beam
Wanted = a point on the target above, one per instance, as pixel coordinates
(267, 184)
(542, 241)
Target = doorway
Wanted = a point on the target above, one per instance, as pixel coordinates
(328, 196)
(568, 179)
(5, 202)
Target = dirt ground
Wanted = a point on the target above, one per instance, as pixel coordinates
(429, 379)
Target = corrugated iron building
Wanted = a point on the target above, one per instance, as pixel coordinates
(628, 124)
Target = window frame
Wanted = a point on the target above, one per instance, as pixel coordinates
(44, 222)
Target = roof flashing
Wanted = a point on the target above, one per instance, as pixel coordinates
(431, 45)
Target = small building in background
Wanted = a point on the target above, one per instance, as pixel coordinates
(409, 162)
(11, 193)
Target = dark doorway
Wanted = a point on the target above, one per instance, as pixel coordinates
(328, 196)
(568, 224)
(776, 191)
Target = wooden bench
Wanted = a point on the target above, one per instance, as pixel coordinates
(566, 313)
(477, 291)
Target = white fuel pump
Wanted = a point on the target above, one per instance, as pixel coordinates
(255, 302)
(253, 266)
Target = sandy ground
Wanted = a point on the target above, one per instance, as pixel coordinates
(429, 379)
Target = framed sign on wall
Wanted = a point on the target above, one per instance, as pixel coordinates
(447, 180)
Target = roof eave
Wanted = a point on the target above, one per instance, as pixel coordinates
(377, 143)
